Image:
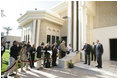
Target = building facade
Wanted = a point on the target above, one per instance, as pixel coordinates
(40, 26)
(76, 22)
(93, 20)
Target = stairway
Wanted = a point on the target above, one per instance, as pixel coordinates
(74, 56)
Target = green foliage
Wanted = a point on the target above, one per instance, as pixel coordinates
(70, 64)
(7, 29)
(58, 42)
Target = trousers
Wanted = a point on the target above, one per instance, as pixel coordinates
(99, 60)
(39, 63)
(11, 62)
(87, 58)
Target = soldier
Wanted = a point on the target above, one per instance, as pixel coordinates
(23, 57)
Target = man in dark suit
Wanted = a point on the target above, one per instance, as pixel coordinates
(99, 52)
(39, 55)
(32, 51)
(93, 52)
(87, 49)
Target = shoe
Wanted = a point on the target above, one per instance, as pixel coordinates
(12, 74)
(55, 65)
(85, 63)
(41, 68)
(99, 67)
(38, 68)
(28, 69)
(5, 77)
(22, 71)
(96, 66)
(33, 66)
(88, 64)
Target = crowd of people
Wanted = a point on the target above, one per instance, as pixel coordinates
(44, 55)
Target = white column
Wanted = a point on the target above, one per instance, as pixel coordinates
(30, 35)
(69, 23)
(27, 34)
(75, 27)
(38, 33)
(33, 33)
(80, 27)
(81, 30)
(22, 34)
(84, 22)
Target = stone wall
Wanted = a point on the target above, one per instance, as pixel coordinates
(43, 30)
(106, 14)
(103, 35)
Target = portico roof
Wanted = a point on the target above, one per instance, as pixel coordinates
(41, 14)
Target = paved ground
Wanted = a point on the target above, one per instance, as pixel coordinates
(80, 70)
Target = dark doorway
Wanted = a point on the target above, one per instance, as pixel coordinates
(113, 49)
(64, 38)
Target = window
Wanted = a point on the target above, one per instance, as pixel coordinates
(53, 39)
(28, 37)
(48, 38)
(24, 37)
(57, 38)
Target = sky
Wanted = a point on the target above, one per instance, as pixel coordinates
(13, 9)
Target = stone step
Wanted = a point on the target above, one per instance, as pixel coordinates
(74, 56)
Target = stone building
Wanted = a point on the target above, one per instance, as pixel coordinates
(40, 26)
(76, 22)
(91, 21)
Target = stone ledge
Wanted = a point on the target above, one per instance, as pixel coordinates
(63, 63)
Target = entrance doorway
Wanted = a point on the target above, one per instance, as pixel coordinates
(113, 49)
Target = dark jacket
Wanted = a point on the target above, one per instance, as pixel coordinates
(14, 51)
(28, 47)
(87, 48)
(46, 50)
(31, 50)
(39, 51)
(99, 49)
(54, 52)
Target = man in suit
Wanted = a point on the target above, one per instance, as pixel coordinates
(99, 52)
(27, 50)
(93, 52)
(39, 55)
(87, 49)
(32, 51)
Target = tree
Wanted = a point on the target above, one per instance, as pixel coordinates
(7, 30)
(2, 34)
